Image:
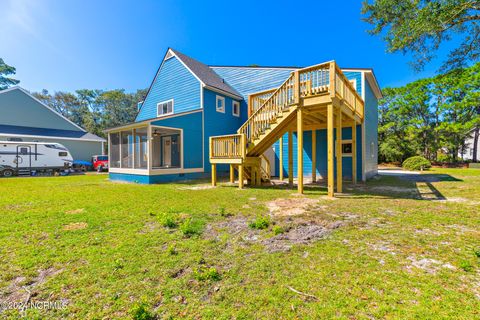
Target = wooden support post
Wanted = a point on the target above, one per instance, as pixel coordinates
(354, 152)
(339, 150)
(258, 176)
(300, 150)
(240, 176)
(232, 173)
(280, 169)
(214, 175)
(330, 157)
(290, 158)
(314, 156)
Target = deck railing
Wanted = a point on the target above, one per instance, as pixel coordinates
(228, 146)
(256, 100)
(345, 90)
(268, 106)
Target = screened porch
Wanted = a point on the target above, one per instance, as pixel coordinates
(145, 149)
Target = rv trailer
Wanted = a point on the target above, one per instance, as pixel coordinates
(27, 158)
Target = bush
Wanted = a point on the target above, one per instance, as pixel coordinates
(466, 266)
(167, 220)
(204, 273)
(416, 163)
(278, 230)
(191, 227)
(260, 223)
(141, 312)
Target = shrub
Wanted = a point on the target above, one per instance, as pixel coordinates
(466, 266)
(141, 312)
(204, 273)
(260, 223)
(168, 220)
(416, 163)
(171, 250)
(477, 252)
(191, 227)
(278, 230)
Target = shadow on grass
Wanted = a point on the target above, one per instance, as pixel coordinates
(401, 186)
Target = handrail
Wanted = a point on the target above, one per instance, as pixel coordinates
(257, 99)
(320, 79)
(228, 146)
(260, 119)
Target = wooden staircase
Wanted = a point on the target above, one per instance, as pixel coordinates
(274, 112)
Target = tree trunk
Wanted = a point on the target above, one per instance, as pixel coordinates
(475, 143)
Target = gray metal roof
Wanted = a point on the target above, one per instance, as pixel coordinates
(206, 74)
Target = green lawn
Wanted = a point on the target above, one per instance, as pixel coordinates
(391, 249)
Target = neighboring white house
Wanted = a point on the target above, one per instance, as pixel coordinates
(25, 118)
(468, 154)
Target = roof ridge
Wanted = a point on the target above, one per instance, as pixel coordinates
(206, 74)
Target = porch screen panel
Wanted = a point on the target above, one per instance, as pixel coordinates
(127, 149)
(141, 148)
(115, 150)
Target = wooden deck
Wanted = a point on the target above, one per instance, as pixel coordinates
(312, 98)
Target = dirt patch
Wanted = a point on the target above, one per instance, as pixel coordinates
(290, 206)
(21, 290)
(236, 227)
(461, 229)
(76, 211)
(150, 226)
(200, 187)
(75, 226)
(301, 234)
(431, 266)
(382, 246)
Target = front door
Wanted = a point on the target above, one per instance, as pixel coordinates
(167, 152)
(24, 157)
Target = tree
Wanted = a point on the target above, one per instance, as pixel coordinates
(5, 71)
(420, 27)
(430, 115)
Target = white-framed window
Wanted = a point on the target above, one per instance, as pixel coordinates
(347, 148)
(220, 104)
(164, 108)
(236, 108)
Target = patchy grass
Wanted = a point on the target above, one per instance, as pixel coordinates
(392, 248)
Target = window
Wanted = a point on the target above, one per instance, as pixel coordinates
(220, 104)
(115, 150)
(236, 108)
(62, 154)
(346, 148)
(126, 149)
(23, 150)
(164, 108)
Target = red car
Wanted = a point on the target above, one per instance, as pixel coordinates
(100, 163)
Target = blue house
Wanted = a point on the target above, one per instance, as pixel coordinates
(198, 121)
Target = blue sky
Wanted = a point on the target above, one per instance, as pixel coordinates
(69, 45)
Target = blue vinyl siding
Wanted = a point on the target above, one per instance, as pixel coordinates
(218, 123)
(321, 165)
(192, 137)
(173, 81)
(358, 78)
(371, 132)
